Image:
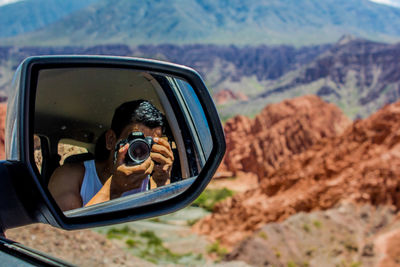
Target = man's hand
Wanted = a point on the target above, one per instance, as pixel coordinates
(125, 177)
(161, 154)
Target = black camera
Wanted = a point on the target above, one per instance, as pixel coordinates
(139, 148)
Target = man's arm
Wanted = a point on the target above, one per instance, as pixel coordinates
(162, 155)
(123, 179)
(65, 184)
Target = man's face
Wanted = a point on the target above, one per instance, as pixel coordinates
(111, 139)
(138, 127)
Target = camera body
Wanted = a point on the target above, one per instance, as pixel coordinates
(139, 148)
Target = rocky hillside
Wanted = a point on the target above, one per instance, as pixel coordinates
(262, 144)
(358, 76)
(220, 65)
(362, 164)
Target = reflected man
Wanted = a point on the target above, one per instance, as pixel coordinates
(75, 185)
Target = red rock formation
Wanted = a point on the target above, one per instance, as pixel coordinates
(361, 165)
(260, 145)
(227, 95)
(388, 244)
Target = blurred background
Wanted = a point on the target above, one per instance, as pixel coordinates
(307, 92)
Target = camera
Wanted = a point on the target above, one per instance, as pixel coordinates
(139, 148)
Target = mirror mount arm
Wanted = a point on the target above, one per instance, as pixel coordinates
(16, 202)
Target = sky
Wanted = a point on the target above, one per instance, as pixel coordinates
(387, 2)
(4, 2)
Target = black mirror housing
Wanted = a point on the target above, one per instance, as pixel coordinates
(25, 199)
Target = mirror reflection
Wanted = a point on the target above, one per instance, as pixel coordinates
(108, 133)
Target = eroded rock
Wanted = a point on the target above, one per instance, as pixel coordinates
(260, 145)
(361, 165)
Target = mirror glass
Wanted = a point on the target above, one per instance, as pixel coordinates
(114, 138)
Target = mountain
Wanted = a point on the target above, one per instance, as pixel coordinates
(218, 64)
(30, 15)
(222, 63)
(357, 75)
(218, 22)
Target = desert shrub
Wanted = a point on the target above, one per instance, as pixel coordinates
(155, 219)
(119, 233)
(192, 222)
(263, 235)
(148, 246)
(210, 197)
(317, 224)
(217, 249)
(306, 228)
(132, 243)
(278, 254)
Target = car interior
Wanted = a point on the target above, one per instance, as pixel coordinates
(74, 107)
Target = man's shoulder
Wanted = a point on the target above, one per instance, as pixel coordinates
(65, 184)
(71, 171)
(73, 167)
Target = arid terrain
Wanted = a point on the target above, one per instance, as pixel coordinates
(347, 235)
(82, 247)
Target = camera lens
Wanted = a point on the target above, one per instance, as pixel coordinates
(139, 151)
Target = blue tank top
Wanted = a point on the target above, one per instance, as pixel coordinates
(91, 183)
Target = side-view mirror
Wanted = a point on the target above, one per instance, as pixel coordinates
(94, 140)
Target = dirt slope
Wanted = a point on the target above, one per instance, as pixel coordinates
(82, 247)
(347, 235)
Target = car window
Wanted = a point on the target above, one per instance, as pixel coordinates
(200, 121)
